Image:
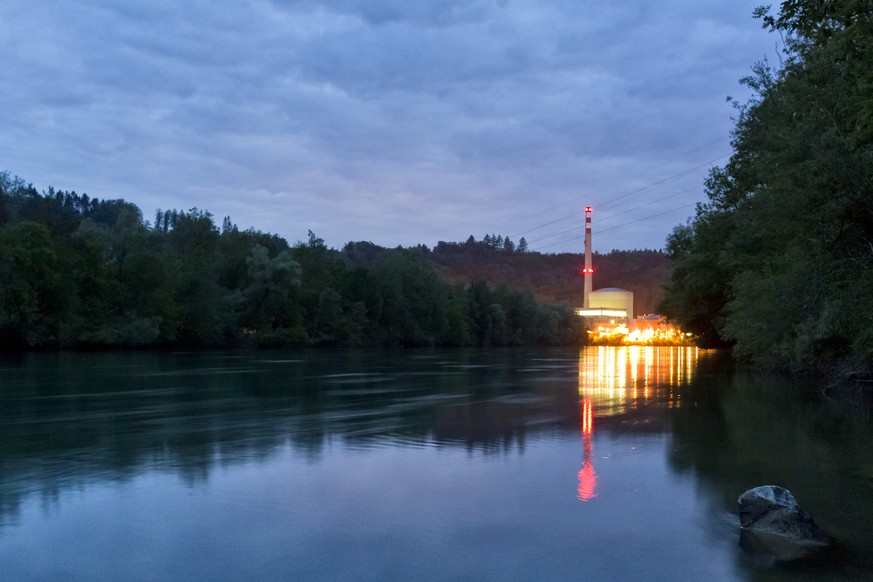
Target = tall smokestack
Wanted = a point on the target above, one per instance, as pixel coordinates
(588, 271)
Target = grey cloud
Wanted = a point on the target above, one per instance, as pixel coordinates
(390, 120)
(429, 13)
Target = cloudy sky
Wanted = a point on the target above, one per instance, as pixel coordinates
(395, 121)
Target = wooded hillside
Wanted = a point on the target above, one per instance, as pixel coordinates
(555, 277)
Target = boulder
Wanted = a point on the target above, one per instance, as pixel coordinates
(772, 522)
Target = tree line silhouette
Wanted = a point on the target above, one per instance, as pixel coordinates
(83, 272)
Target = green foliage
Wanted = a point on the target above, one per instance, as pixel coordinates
(78, 271)
(780, 261)
(697, 291)
(33, 300)
(265, 303)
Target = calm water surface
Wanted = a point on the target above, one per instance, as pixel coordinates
(559, 464)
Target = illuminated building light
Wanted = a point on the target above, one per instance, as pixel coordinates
(630, 334)
(599, 312)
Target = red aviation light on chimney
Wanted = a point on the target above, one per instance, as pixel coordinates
(585, 271)
(587, 209)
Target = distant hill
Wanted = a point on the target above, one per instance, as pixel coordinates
(552, 277)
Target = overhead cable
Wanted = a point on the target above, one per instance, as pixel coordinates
(578, 237)
(612, 201)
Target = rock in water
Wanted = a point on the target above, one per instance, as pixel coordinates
(772, 522)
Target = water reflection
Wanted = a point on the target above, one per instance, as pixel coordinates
(366, 465)
(78, 420)
(617, 380)
(587, 475)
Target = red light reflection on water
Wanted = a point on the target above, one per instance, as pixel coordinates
(587, 475)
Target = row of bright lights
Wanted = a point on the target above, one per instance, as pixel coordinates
(621, 334)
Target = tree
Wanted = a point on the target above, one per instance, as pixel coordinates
(269, 289)
(508, 245)
(699, 287)
(34, 299)
(780, 260)
(204, 312)
(95, 279)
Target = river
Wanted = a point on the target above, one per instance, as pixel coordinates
(510, 464)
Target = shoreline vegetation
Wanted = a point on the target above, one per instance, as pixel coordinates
(79, 272)
(778, 263)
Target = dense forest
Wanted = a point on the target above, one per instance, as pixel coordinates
(779, 261)
(83, 272)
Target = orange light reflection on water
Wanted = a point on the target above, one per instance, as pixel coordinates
(614, 380)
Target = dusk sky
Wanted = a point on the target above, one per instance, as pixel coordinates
(394, 121)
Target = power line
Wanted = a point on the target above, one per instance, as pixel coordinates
(571, 229)
(607, 186)
(551, 223)
(673, 195)
(647, 217)
(611, 202)
(554, 234)
(576, 238)
(664, 181)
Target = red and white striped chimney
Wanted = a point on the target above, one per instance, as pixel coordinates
(588, 271)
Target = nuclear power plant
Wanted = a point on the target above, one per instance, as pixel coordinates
(609, 312)
(610, 302)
